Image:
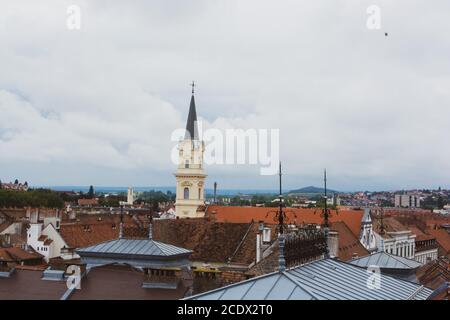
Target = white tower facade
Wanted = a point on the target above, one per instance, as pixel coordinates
(190, 174)
(367, 236)
(130, 196)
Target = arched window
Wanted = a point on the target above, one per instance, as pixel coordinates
(186, 193)
(186, 164)
(199, 193)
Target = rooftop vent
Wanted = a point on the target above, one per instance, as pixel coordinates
(160, 285)
(6, 273)
(54, 275)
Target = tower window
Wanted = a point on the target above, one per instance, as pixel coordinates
(186, 193)
(199, 193)
(186, 164)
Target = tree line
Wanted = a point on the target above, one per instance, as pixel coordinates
(37, 198)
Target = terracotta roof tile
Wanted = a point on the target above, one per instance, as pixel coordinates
(210, 241)
(237, 214)
(442, 237)
(17, 254)
(92, 229)
(348, 243)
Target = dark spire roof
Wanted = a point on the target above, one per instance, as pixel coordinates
(191, 125)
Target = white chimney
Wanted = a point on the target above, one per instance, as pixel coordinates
(258, 248)
(333, 244)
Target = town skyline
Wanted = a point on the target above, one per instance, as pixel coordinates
(343, 98)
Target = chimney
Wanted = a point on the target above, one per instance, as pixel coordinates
(258, 247)
(333, 244)
(121, 223)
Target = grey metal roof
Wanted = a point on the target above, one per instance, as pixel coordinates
(135, 247)
(326, 279)
(385, 260)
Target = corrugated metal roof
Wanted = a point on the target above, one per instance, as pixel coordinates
(142, 247)
(326, 279)
(385, 260)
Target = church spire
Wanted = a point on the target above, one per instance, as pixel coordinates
(191, 125)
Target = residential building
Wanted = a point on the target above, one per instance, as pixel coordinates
(46, 240)
(407, 201)
(393, 238)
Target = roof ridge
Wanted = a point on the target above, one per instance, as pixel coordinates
(157, 243)
(233, 285)
(299, 284)
(397, 258)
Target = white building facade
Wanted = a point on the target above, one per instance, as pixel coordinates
(45, 240)
(407, 201)
(367, 236)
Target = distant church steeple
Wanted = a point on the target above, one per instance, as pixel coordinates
(191, 124)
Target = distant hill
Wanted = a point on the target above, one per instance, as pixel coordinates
(312, 189)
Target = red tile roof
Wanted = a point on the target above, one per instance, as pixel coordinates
(442, 237)
(235, 214)
(435, 273)
(210, 241)
(92, 229)
(15, 254)
(87, 202)
(349, 244)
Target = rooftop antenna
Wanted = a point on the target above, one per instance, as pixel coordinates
(280, 217)
(380, 217)
(281, 238)
(121, 223)
(326, 214)
(150, 226)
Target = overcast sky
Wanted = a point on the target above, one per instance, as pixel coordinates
(98, 105)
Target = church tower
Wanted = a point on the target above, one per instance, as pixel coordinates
(367, 235)
(190, 175)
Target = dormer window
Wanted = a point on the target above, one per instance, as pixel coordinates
(266, 234)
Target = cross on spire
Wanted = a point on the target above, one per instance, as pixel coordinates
(193, 85)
